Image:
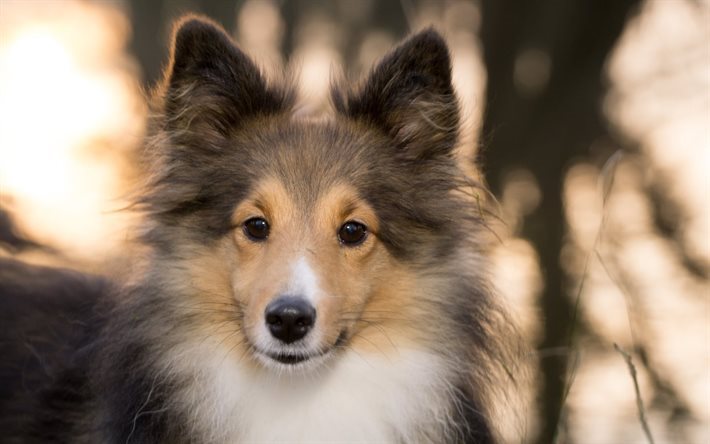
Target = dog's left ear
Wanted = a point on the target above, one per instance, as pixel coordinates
(410, 96)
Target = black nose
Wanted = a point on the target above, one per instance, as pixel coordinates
(289, 318)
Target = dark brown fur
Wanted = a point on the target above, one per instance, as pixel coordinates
(221, 128)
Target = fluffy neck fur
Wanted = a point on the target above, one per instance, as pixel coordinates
(399, 398)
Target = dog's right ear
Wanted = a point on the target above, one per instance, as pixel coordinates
(409, 95)
(210, 82)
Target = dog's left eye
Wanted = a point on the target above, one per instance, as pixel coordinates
(352, 233)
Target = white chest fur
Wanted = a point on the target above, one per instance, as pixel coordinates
(354, 398)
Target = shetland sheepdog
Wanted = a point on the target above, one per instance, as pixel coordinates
(308, 280)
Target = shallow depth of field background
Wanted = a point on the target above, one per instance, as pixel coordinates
(592, 119)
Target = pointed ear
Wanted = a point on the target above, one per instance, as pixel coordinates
(212, 82)
(410, 96)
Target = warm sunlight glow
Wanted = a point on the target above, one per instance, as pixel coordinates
(72, 117)
(637, 292)
(63, 115)
(40, 82)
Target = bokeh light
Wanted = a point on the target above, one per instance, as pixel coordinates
(69, 110)
(72, 115)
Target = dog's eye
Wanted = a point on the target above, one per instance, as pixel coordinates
(256, 229)
(352, 233)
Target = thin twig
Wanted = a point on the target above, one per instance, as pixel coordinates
(606, 183)
(639, 401)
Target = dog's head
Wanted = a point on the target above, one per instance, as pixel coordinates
(311, 233)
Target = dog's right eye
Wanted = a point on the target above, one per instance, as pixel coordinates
(256, 229)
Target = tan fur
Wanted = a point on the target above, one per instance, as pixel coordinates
(311, 233)
(364, 287)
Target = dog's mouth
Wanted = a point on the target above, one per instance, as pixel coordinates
(290, 359)
(295, 358)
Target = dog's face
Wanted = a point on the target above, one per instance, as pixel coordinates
(306, 266)
(315, 232)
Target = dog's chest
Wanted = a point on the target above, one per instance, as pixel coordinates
(360, 399)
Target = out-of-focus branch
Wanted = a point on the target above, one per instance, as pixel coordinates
(639, 401)
(664, 391)
(11, 238)
(667, 217)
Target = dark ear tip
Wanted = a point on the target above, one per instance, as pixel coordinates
(426, 52)
(192, 31)
(195, 25)
(429, 38)
(427, 43)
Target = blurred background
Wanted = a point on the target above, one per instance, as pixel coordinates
(590, 121)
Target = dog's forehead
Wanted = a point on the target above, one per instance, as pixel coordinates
(278, 200)
(309, 158)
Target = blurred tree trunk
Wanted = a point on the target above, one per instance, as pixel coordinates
(355, 20)
(545, 62)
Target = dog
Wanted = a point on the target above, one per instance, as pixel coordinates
(307, 280)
